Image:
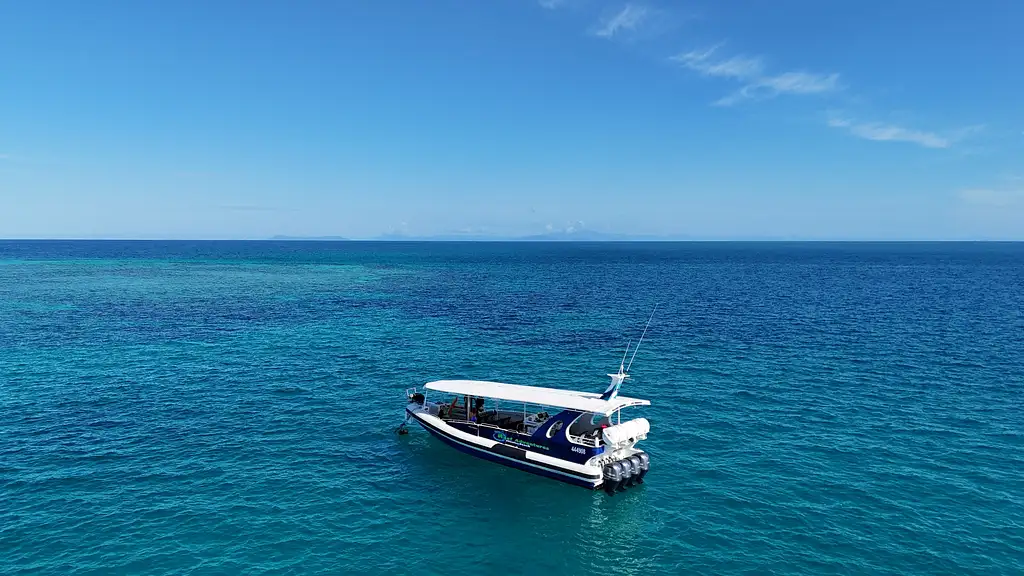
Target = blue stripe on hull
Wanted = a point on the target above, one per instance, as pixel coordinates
(480, 453)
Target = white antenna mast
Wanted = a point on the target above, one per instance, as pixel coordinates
(641, 339)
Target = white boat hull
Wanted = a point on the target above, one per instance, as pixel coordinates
(585, 475)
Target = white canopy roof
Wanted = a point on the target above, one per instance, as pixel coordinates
(554, 397)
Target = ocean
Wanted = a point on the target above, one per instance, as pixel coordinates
(230, 407)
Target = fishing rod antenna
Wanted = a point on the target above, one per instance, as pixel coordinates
(641, 338)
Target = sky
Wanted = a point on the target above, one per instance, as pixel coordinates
(732, 119)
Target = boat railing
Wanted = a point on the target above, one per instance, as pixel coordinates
(482, 426)
(514, 429)
(592, 442)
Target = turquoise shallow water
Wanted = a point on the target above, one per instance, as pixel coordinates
(229, 407)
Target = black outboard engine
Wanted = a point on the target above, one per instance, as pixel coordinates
(614, 475)
(645, 465)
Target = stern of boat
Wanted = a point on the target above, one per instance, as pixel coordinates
(622, 463)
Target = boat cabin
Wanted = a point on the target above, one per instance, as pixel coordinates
(562, 423)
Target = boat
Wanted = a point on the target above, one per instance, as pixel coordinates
(573, 436)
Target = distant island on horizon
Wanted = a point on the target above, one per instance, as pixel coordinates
(593, 236)
(307, 238)
(561, 236)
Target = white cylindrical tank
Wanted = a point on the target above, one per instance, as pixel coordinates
(627, 433)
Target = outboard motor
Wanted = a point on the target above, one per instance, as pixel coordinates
(645, 465)
(638, 470)
(627, 473)
(614, 476)
(632, 470)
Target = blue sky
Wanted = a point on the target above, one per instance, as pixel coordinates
(728, 119)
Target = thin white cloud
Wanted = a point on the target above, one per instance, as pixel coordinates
(992, 198)
(800, 83)
(629, 18)
(751, 71)
(756, 82)
(738, 67)
(576, 226)
(785, 83)
(880, 132)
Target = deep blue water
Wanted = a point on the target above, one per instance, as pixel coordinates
(229, 407)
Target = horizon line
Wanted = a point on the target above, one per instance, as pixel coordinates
(427, 240)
